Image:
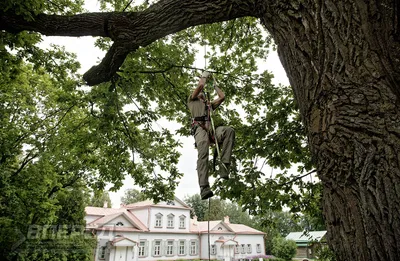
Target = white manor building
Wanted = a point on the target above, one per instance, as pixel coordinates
(145, 231)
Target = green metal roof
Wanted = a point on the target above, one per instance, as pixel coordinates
(301, 244)
(301, 237)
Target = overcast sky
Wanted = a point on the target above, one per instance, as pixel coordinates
(89, 55)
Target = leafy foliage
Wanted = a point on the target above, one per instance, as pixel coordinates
(218, 210)
(100, 199)
(324, 253)
(132, 196)
(282, 248)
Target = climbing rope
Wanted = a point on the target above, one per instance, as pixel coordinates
(207, 100)
(209, 207)
(211, 113)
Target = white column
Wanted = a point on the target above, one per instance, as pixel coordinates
(136, 252)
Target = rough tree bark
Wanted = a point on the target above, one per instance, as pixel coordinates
(343, 62)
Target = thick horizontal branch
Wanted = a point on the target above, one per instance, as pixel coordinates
(131, 30)
(92, 24)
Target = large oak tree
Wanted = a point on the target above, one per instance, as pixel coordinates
(342, 59)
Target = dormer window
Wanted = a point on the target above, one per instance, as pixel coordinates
(170, 222)
(182, 221)
(158, 220)
(258, 248)
(119, 224)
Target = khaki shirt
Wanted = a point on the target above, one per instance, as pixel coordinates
(197, 107)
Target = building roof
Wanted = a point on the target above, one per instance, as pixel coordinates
(243, 229)
(149, 203)
(202, 227)
(227, 241)
(305, 237)
(96, 211)
(118, 239)
(114, 213)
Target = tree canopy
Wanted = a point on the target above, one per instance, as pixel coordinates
(132, 196)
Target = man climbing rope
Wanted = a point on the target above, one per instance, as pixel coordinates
(201, 108)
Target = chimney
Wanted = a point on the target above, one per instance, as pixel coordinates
(195, 220)
(226, 220)
(105, 205)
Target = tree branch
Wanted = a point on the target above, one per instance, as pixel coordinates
(130, 30)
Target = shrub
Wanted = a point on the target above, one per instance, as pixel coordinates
(284, 249)
(324, 253)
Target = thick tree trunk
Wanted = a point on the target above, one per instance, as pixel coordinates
(343, 62)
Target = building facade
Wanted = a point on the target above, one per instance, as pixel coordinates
(308, 242)
(145, 231)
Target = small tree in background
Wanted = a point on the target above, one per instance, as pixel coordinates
(98, 199)
(132, 196)
(284, 249)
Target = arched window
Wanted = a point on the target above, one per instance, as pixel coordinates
(182, 221)
(158, 220)
(170, 222)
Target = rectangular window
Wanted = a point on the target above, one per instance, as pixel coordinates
(182, 222)
(249, 249)
(142, 247)
(170, 221)
(102, 252)
(181, 248)
(157, 248)
(258, 248)
(236, 249)
(158, 221)
(193, 248)
(170, 248)
(213, 249)
(242, 248)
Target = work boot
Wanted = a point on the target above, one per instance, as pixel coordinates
(224, 170)
(205, 192)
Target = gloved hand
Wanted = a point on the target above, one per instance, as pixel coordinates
(206, 74)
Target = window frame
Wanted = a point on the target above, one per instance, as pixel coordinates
(213, 250)
(243, 248)
(182, 222)
(159, 247)
(258, 248)
(159, 219)
(249, 249)
(170, 219)
(102, 252)
(142, 248)
(193, 246)
(179, 248)
(169, 247)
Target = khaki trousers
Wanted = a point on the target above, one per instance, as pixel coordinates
(226, 138)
